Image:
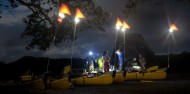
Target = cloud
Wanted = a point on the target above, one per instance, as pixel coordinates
(12, 47)
(13, 16)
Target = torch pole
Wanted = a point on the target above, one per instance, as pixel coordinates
(169, 44)
(52, 47)
(73, 44)
(115, 48)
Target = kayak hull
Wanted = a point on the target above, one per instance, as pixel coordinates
(119, 78)
(97, 80)
(36, 84)
(146, 76)
(59, 84)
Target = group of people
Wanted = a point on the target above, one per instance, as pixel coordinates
(100, 63)
(103, 62)
(136, 64)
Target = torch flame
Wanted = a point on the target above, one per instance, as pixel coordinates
(64, 9)
(125, 25)
(79, 14)
(173, 27)
(59, 20)
(118, 23)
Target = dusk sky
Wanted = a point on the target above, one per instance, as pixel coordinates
(152, 23)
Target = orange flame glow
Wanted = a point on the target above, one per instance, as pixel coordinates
(118, 23)
(64, 9)
(59, 20)
(173, 27)
(79, 14)
(125, 25)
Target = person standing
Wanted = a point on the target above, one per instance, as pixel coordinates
(100, 64)
(106, 61)
(120, 56)
(142, 61)
(45, 79)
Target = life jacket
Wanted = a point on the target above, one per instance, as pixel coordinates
(100, 62)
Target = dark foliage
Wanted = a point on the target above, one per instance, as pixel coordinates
(179, 63)
(41, 21)
(2, 67)
(37, 66)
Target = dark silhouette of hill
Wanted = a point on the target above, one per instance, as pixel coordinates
(2, 67)
(179, 63)
(37, 66)
(2, 63)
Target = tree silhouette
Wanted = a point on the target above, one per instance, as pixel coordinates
(42, 25)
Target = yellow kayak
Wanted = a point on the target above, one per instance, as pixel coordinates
(119, 78)
(56, 84)
(35, 84)
(152, 73)
(145, 76)
(62, 83)
(59, 84)
(26, 78)
(96, 80)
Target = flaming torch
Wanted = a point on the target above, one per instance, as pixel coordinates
(62, 11)
(125, 26)
(118, 24)
(78, 16)
(173, 27)
(120, 27)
